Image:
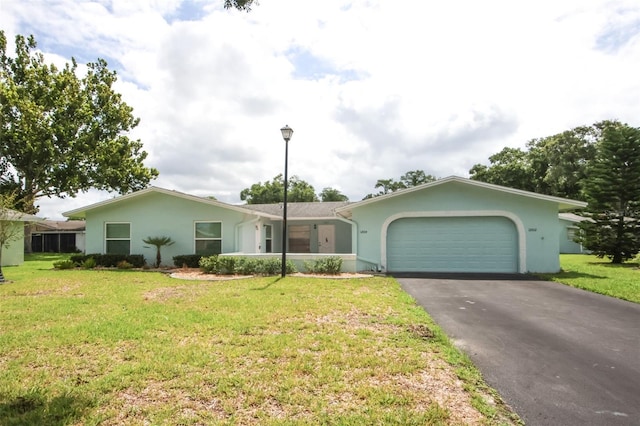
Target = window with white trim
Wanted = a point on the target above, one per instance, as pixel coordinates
(117, 238)
(268, 239)
(208, 238)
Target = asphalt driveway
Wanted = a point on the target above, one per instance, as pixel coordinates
(557, 355)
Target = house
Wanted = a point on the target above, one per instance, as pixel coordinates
(450, 225)
(14, 253)
(569, 229)
(55, 236)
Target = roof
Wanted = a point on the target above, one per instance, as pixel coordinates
(572, 217)
(17, 216)
(81, 212)
(311, 210)
(60, 225)
(563, 203)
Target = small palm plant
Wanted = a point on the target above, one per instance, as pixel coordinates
(158, 242)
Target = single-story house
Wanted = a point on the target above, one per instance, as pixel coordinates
(14, 253)
(56, 236)
(569, 223)
(450, 225)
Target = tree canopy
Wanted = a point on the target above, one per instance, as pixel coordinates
(331, 194)
(612, 190)
(272, 191)
(61, 134)
(552, 165)
(239, 4)
(407, 180)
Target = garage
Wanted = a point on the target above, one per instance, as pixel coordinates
(452, 244)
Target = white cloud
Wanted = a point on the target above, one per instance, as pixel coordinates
(372, 88)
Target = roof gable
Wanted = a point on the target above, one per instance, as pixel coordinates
(81, 212)
(563, 203)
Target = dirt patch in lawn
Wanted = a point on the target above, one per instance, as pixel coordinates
(197, 274)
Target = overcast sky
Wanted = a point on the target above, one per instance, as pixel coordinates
(372, 88)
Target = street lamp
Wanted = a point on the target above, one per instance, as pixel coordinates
(287, 132)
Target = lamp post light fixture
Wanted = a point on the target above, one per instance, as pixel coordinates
(287, 132)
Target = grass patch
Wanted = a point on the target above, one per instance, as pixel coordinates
(599, 276)
(127, 347)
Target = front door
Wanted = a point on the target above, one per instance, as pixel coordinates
(326, 239)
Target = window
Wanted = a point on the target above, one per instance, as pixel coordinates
(268, 239)
(299, 239)
(208, 238)
(117, 238)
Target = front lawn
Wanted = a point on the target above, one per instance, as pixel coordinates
(599, 275)
(125, 347)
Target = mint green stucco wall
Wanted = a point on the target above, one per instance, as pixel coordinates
(537, 220)
(567, 245)
(157, 214)
(14, 254)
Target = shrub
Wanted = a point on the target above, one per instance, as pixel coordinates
(209, 265)
(227, 265)
(109, 260)
(89, 263)
(123, 264)
(327, 265)
(78, 259)
(271, 266)
(248, 266)
(64, 264)
(188, 260)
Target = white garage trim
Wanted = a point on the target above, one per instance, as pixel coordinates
(522, 245)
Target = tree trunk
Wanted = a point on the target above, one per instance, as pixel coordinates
(1, 275)
(28, 231)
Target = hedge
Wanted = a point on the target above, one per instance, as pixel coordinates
(188, 260)
(109, 260)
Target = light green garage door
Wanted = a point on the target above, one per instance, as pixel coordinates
(452, 244)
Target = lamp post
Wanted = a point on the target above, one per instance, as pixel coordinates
(287, 132)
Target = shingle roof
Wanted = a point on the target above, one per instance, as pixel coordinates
(61, 225)
(319, 210)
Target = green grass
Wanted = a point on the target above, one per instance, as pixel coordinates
(600, 276)
(127, 347)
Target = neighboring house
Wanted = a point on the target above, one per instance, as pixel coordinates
(14, 254)
(58, 236)
(450, 225)
(569, 223)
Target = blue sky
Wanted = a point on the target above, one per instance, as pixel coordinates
(371, 89)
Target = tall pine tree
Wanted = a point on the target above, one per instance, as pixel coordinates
(612, 190)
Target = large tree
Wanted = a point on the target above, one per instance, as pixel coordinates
(61, 134)
(331, 194)
(240, 4)
(407, 180)
(612, 189)
(553, 165)
(510, 167)
(273, 192)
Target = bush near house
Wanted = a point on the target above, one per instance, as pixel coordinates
(64, 264)
(187, 260)
(231, 265)
(109, 260)
(327, 265)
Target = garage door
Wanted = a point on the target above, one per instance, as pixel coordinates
(452, 244)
